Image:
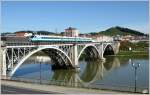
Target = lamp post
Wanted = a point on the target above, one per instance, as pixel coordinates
(135, 66)
(40, 72)
(40, 59)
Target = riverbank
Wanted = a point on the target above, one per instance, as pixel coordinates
(133, 53)
(58, 89)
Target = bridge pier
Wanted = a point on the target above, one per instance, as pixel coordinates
(75, 56)
(4, 62)
(102, 52)
(117, 45)
(103, 59)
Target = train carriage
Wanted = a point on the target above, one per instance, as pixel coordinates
(44, 38)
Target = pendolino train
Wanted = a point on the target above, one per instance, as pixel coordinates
(45, 38)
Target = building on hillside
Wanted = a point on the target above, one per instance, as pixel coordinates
(11, 40)
(128, 38)
(117, 38)
(134, 39)
(86, 35)
(17, 37)
(20, 33)
(100, 38)
(82, 35)
(71, 32)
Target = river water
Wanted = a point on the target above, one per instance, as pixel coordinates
(116, 73)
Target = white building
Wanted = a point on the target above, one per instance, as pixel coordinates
(100, 38)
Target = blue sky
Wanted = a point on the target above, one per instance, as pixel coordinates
(87, 16)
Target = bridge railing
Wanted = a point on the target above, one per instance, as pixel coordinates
(5, 43)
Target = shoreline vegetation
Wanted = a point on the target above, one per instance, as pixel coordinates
(140, 49)
(133, 53)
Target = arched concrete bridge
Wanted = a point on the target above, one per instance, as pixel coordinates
(63, 55)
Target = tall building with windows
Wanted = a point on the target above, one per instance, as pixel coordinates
(71, 32)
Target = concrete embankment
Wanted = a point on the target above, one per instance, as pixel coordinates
(58, 89)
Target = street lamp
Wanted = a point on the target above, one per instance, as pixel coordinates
(40, 72)
(40, 59)
(135, 66)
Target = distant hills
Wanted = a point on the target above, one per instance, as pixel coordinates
(34, 32)
(39, 32)
(113, 31)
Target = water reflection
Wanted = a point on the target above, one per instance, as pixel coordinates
(91, 72)
(38, 59)
(112, 62)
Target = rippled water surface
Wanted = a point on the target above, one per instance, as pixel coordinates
(116, 73)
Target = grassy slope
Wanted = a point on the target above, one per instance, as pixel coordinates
(113, 32)
(119, 31)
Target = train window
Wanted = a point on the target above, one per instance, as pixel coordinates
(32, 36)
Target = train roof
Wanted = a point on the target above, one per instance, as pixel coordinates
(59, 36)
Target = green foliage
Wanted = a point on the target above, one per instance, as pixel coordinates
(140, 46)
(113, 31)
(130, 31)
(131, 54)
(45, 33)
(94, 33)
(28, 31)
(124, 45)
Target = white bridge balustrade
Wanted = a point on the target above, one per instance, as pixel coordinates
(62, 55)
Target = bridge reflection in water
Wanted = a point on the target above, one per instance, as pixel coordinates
(38, 68)
(115, 73)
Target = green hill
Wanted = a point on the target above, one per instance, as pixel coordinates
(113, 31)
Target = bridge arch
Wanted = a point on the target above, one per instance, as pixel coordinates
(108, 50)
(87, 46)
(35, 51)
